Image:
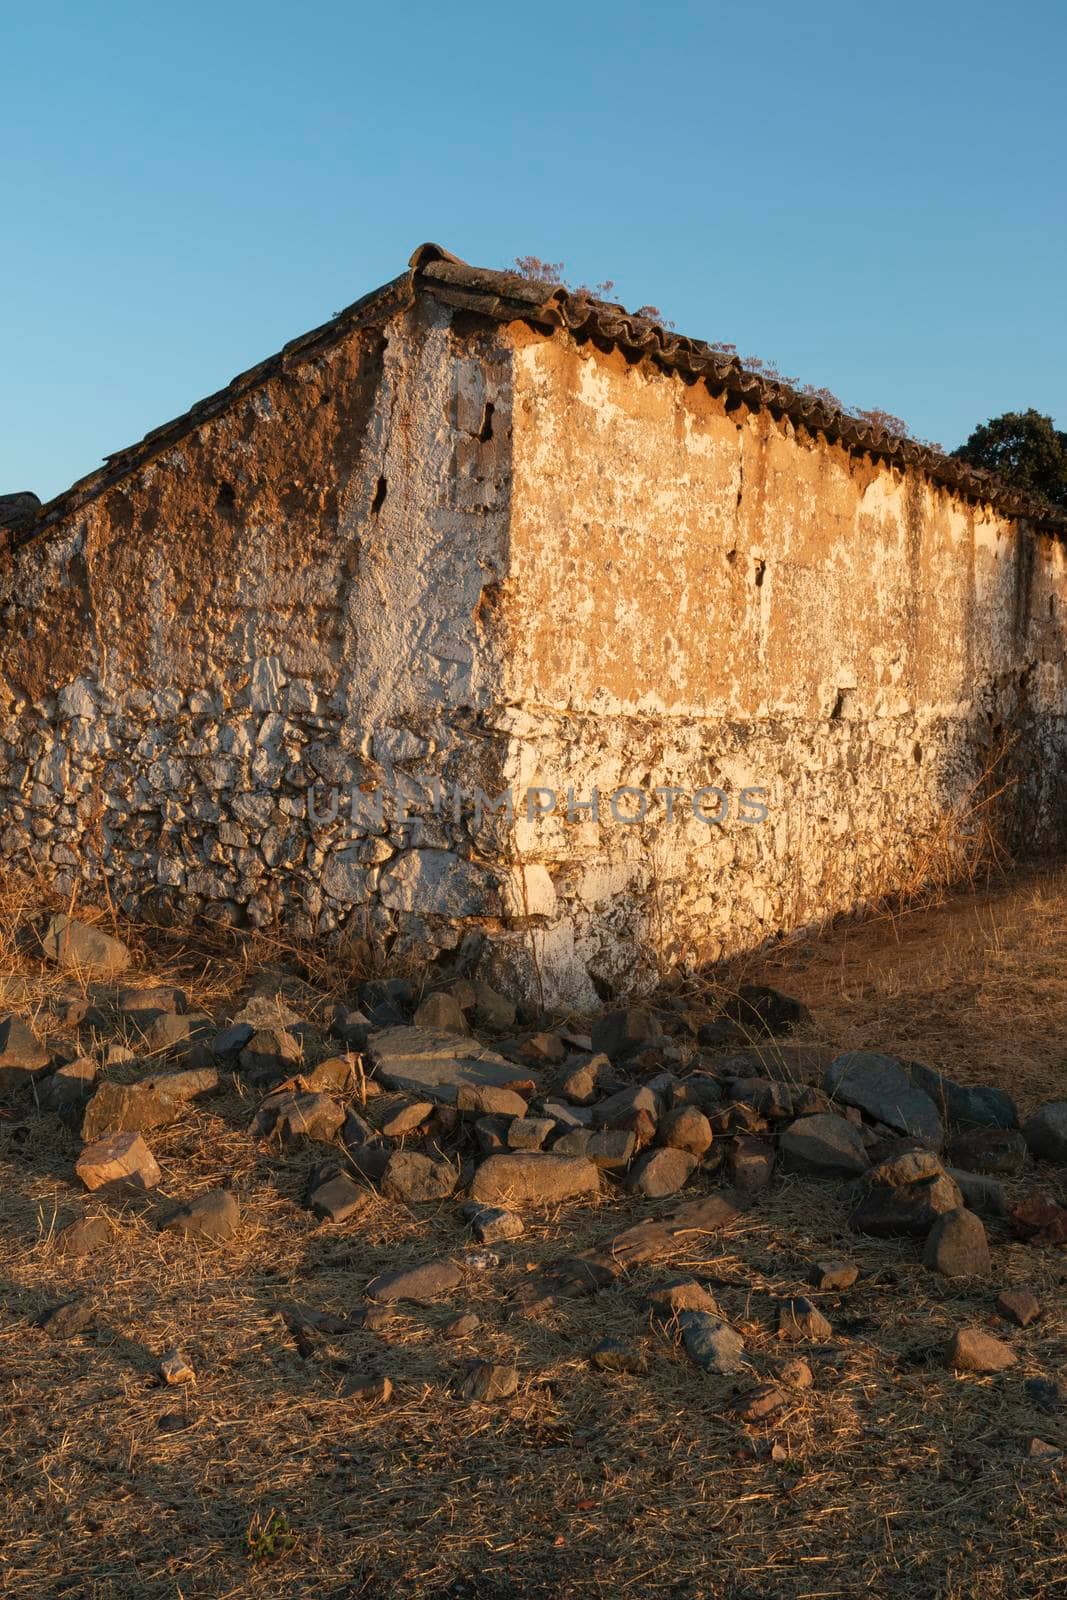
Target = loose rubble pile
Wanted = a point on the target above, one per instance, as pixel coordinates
(406, 1098)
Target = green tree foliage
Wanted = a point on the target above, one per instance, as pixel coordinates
(1025, 449)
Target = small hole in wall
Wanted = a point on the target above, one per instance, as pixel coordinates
(380, 492)
(761, 567)
(226, 501)
(1052, 605)
(917, 753)
(485, 432)
(731, 556)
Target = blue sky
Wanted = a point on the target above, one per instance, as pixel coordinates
(870, 196)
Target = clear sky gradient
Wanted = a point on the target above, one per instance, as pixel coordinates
(871, 196)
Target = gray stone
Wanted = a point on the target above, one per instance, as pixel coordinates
(189, 1036)
(585, 1082)
(834, 1274)
(231, 1041)
(120, 1164)
(68, 1320)
(880, 1086)
(680, 1294)
(661, 1172)
(686, 1128)
(1001, 1152)
(623, 1033)
(711, 1343)
(617, 1110)
(270, 1054)
(903, 1196)
(300, 1116)
(441, 1012)
(127, 1108)
(1045, 1132)
(750, 1164)
(213, 1215)
(799, 1319)
(484, 1100)
(570, 1117)
(532, 1178)
(420, 1284)
(488, 1381)
(766, 1095)
(67, 1090)
(83, 948)
(980, 1194)
(1020, 1306)
(967, 1103)
(654, 1240)
(83, 1237)
(413, 1178)
(23, 1057)
(957, 1247)
(337, 1198)
(492, 1224)
(610, 1150)
(438, 883)
(528, 1133)
(619, 1355)
(973, 1350)
(438, 1064)
(823, 1146)
(395, 1116)
(144, 1004)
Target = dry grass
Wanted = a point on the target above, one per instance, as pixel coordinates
(895, 1478)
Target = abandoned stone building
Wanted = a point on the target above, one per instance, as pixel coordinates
(734, 659)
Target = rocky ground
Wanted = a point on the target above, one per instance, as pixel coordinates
(323, 1283)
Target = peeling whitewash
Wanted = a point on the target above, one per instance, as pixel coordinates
(448, 552)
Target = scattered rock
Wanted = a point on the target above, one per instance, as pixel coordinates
(229, 1042)
(528, 1133)
(271, 1054)
(1045, 1133)
(795, 1374)
(486, 1101)
(66, 1321)
(880, 1086)
(443, 1013)
(618, 1110)
(686, 1128)
(122, 1163)
(621, 1034)
(587, 1081)
(654, 1240)
(617, 1355)
(421, 1284)
(396, 1117)
(147, 1002)
(680, 1294)
(463, 1326)
(839, 1275)
(823, 1146)
(533, 1177)
(337, 1198)
(661, 1172)
(83, 1237)
(710, 1342)
(174, 1368)
(965, 1103)
(981, 1195)
(569, 1117)
(22, 1055)
(190, 1037)
(212, 1215)
(492, 1010)
(490, 1381)
(750, 1165)
(973, 1350)
(301, 1116)
(760, 1403)
(544, 1047)
(998, 1151)
(1020, 1306)
(437, 1064)
(492, 1225)
(369, 1391)
(765, 1095)
(957, 1247)
(352, 1027)
(1039, 1220)
(68, 1089)
(611, 1149)
(799, 1319)
(82, 948)
(126, 1108)
(413, 1178)
(904, 1196)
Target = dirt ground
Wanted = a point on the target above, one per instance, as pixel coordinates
(891, 1477)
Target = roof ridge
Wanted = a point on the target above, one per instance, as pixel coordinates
(509, 296)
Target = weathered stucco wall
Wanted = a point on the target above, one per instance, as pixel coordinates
(449, 551)
(703, 596)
